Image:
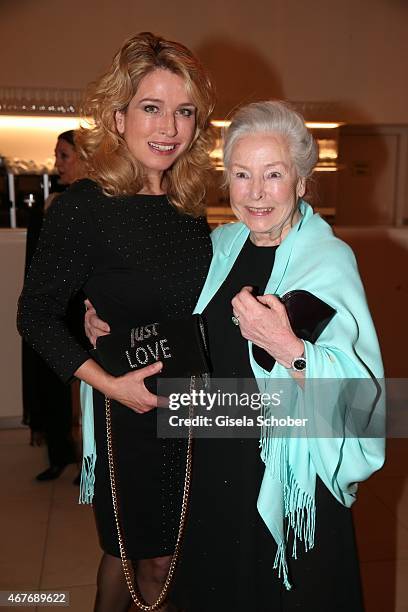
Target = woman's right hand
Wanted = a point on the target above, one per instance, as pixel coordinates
(128, 389)
(131, 391)
(94, 326)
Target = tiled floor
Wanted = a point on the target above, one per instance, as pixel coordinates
(48, 541)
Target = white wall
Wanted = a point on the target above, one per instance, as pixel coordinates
(350, 52)
(382, 256)
(12, 256)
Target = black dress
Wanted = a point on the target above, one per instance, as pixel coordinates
(228, 552)
(138, 259)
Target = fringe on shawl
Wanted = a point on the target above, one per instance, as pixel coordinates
(86, 490)
(299, 506)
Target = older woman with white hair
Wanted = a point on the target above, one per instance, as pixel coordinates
(280, 503)
(251, 506)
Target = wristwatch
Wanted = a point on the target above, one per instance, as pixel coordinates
(298, 364)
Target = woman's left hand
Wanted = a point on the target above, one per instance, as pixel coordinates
(263, 320)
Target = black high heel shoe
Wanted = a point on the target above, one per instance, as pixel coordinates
(51, 473)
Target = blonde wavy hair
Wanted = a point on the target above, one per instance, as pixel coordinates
(104, 151)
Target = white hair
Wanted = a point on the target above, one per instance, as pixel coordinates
(275, 117)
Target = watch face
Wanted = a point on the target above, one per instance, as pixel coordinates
(299, 364)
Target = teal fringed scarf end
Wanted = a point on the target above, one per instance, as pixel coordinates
(299, 509)
(281, 565)
(86, 490)
(300, 512)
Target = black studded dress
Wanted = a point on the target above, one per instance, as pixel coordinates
(138, 259)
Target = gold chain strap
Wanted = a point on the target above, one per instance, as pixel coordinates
(134, 591)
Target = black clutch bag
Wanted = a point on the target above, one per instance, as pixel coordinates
(308, 316)
(180, 345)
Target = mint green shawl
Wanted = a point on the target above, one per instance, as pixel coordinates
(310, 258)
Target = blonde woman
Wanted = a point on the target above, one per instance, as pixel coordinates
(132, 236)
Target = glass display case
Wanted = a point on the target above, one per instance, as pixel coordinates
(21, 193)
(30, 121)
